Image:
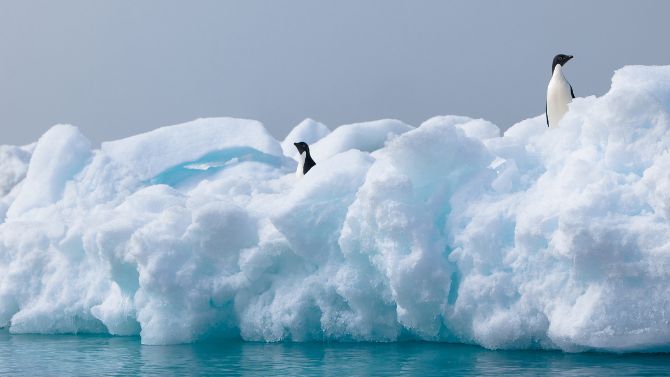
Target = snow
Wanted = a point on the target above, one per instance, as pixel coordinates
(152, 152)
(475, 128)
(13, 168)
(539, 238)
(366, 136)
(309, 131)
(59, 154)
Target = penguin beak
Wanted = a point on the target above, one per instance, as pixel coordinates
(570, 57)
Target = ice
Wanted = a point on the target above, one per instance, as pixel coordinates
(310, 216)
(309, 131)
(148, 153)
(367, 137)
(13, 168)
(539, 238)
(475, 128)
(59, 154)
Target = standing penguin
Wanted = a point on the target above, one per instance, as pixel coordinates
(306, 161)
(559, 92)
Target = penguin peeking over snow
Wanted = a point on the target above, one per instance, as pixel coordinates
(559, 92)
(305, 163)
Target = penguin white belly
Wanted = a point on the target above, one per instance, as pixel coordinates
(300, 171)
(558, 97)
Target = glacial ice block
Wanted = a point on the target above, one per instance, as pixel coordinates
(366, 136)
(59, 154)
(536, 238)
(155, 151)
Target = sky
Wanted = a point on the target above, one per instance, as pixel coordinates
(118, 68)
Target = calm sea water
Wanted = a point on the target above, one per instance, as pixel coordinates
(69, 355)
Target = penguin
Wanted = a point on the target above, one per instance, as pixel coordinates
(559, 92)
(306, 161)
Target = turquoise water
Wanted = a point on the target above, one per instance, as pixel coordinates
(68, 355)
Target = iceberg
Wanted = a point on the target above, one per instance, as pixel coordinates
(309, 131)
(450, 231)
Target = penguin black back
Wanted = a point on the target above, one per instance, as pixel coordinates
(308, 162)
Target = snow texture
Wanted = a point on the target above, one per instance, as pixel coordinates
(309, 131)
(540, 238)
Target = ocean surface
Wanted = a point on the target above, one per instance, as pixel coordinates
(71, 355)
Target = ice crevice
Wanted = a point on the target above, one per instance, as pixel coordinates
(448, 231)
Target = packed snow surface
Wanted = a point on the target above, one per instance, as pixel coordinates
(539, 238)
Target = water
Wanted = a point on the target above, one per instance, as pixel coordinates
(68, 355)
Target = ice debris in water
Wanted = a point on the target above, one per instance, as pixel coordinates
(556, 239)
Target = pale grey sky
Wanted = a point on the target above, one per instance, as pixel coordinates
(116, 68)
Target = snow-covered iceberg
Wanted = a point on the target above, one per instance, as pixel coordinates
(539, 238)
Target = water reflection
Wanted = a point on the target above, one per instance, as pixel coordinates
(94, 355)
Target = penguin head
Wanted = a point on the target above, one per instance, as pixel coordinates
(302, 147)
(560, 59)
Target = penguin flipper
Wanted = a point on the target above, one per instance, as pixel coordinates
(546, 114)
(571, 91)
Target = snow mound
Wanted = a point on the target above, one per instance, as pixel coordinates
(59, 154)
(476, 128)
(539, 238)
(13, 168)
(367, 137)
(153, 152)
(309, 131)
